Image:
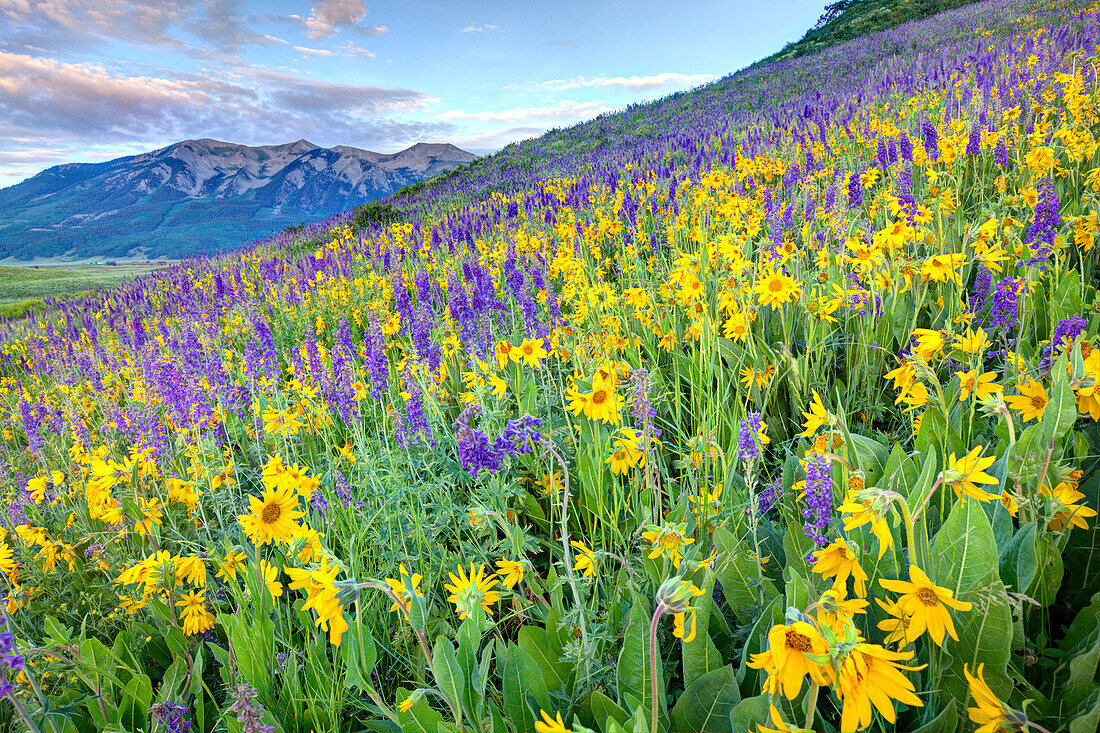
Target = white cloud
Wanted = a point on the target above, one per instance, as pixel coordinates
(47, 104)
(351, 50)
(331, 16)
(314, 51)
(564, 110)
(479, 28)
(665, 80)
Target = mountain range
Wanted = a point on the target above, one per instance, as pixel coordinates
(200, 196)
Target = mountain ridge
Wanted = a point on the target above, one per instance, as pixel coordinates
(200, 195)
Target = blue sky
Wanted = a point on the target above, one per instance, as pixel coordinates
(90, 80)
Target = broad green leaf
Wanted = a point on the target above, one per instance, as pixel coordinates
(632, 674)
(1087, 718)
(947, 720)
(421, 717)
(707, 703)
(700, 655)
(1082, 673)
(964, 553)
(360, 656)
(965, 562)
(749, 713)
(557, 673)
(604, 708)
(449, 677)
(522, 677)
(1061, 409)
(736, 569)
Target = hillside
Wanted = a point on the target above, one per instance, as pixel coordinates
(772, 406)
(845, 20)
(676, 133)
(199, 196)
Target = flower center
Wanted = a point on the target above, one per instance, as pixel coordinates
(670, 541)
(271, 513)
(1038, 402)
(775, 285)
(599, 397)
(798, 642)
(928, 597)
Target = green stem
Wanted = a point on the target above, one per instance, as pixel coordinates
(653, 666)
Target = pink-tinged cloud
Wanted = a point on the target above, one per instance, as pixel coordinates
(665, 80)
(42, 98)
(566, 109)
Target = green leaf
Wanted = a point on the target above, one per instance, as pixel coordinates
(360, 656)
(420, 718)
(947, 720)
(1087, 718)
(632, 674)
(604, 709)
(707, 704)
(449, 677)
(1061, 409)
(522, 677)
(737, 571)
(757, 640)
(964, 553)
(1082, 673)
(557, 673)
(749, 713)
(700, 655)
(965, 562)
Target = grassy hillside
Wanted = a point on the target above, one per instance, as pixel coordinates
(771, 406)
(848, 19)
(23, 289)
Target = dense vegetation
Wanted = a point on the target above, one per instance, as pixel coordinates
(847, 19)
(778, 408)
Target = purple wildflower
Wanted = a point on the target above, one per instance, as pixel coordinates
(819, 498)
(748, 438)
(1004, 311)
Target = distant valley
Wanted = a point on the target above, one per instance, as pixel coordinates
(199, 196)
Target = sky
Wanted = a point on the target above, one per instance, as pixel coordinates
(92, 80)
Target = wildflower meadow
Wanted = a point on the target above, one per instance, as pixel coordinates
(771, 406)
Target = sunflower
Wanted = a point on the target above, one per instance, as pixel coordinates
(270, 575)
(929, 342)
(862, 511)
(776, 289)
(991, 715)
(529, 352)
(834, 611)
(964, 474)
(1065, 509)
(196, 619)
(840, 561)
(550, 725)
(870, 676)
(982, 385)
(816, 417)
(786, 662)
(510, 572)
(405, 592)
(467, 591)
(1031, 403)
(584, 561)
(272, 518)
(668, 541)
(926, 605)
(603, 403)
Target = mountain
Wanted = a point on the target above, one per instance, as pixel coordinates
(200, 196)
